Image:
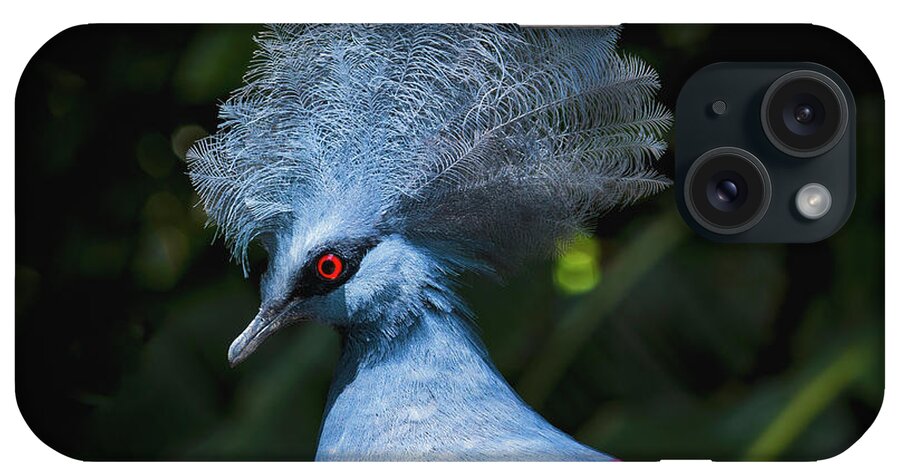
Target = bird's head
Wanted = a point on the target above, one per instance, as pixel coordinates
(376, 162)
(334, 264)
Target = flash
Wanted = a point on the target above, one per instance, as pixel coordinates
(813, 201)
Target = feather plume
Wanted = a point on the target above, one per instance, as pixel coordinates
(491, 138)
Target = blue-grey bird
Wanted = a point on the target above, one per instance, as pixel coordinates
(376, 163)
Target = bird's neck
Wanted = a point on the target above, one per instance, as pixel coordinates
(421, 392)
(429, 348)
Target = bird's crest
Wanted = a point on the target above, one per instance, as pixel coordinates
(497, 140)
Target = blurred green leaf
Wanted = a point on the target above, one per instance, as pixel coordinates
(574, 328)
(578, 268)
(810, 400)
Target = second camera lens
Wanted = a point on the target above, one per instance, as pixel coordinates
(727, 190)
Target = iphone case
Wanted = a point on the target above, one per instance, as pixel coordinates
(411, 190)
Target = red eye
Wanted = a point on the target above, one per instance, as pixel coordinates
(329, 266)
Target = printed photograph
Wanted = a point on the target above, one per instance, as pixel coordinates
(421, 242)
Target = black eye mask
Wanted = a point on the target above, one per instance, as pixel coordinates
(329, 267)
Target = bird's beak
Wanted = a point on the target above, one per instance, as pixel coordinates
(262, 326)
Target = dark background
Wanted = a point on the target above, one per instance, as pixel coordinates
(643, 341)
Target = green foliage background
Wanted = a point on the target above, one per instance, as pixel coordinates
(643, 340)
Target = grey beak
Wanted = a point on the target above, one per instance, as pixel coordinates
(262, 326)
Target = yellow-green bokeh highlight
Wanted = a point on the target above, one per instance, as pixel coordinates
(577, 270)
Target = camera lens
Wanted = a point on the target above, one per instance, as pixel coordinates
(727, 190)
(804, 113)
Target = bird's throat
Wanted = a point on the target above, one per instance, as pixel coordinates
(435, 379)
